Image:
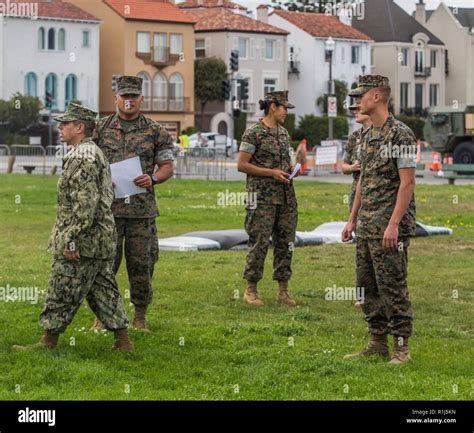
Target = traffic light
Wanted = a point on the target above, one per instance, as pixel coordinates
(244, 90)
(48, 100)
(226, 90)
(236, 112)
(234, 60)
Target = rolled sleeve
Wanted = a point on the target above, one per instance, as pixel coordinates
(247, 147)
(163, 146)
(347, 157)
(407, 150)
(406, 162)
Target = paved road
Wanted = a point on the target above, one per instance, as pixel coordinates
(327, 176)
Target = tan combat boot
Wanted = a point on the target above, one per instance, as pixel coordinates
(47, 341)
(139, 321)
(97, 326)
(251, 296)
(401, 352)
(283, 295)
(122, 341)
(377, 346)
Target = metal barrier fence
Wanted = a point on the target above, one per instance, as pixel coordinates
(209, 165)
(21, 158)
(4, 157)
(201, 163)
(28, 157)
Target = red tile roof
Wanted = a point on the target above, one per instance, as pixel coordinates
(189, 4)
(59, 9)
(149, 10)
(222, 19)
(322, 25)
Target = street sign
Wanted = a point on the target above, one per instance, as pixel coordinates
(332, 106)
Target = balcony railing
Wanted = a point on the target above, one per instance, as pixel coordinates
(424, 72)
(159, 57)
(293, 67)
(166, 104)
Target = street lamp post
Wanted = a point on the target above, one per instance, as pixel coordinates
(330, 45)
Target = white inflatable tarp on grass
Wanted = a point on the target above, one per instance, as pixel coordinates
(327, 233)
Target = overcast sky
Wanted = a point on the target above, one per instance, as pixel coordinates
(408, 5)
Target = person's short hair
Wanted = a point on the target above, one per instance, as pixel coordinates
(89, 126)
(385, 92)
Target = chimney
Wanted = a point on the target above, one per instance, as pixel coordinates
(262, 13)
(420, 14)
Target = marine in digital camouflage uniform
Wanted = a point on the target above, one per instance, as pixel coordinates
(120, 139)
(271, 204)
(382, 271)
(83, 238)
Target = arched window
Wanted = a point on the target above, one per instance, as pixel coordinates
(176, 92)
(51, 90)
(146, 90)
(61, 40)
(41, 38)
(51, 37)
(160, 92)
(31, 84)
(71, 89)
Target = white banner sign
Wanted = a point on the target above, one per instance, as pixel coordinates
(326, 155)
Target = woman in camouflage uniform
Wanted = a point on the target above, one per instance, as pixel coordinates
(265, 156)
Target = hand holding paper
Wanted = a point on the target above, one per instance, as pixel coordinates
(123, 173)
(296, 170)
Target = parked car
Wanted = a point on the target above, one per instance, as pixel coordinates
(216, 143)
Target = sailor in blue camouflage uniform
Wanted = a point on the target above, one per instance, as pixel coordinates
(83, 238)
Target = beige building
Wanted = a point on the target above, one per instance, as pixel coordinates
(220, 28)
(455, 26)
(153, 40)
(407, 53)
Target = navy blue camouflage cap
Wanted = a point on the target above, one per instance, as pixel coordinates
(76, 112)
(368, 82)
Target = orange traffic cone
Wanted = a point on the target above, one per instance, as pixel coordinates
(436, 165)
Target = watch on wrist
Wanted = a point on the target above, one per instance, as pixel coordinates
(154, 179)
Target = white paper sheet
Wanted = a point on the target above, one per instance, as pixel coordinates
(123, 173)
(295, 170)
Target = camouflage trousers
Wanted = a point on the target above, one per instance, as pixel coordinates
(72, 282)
(383, 276)
(138, 237)
(279, 222)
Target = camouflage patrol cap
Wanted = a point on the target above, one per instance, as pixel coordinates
(280, 98)
(76, 112)
(129, 85)
(368, 82)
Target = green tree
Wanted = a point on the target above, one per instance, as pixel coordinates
(208, 76)
(341, 94)
(21, 112)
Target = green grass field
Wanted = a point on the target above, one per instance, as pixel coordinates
(207, 345)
